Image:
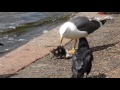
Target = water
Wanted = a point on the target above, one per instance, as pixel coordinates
(17, 28)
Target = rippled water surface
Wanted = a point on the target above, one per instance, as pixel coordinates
(17, 28)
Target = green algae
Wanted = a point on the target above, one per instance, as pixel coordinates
(25, 27)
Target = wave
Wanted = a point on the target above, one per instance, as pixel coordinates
(21, 28)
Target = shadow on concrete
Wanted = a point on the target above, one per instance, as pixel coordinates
(7, 75)
(98, 48)
(101, 75)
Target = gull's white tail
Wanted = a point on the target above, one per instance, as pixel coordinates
(104, 18)
(108, 17)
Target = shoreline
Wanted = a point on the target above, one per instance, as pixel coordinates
(29, 52)
(20, 35)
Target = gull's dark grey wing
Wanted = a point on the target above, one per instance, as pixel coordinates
(84, 24)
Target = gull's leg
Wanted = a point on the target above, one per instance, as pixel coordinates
(72, 51)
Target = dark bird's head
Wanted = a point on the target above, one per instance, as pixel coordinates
(83, 42)
(1, 44)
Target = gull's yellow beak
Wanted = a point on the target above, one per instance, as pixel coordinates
(61, 39)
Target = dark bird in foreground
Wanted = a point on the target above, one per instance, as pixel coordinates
(82, 59)
(80, 26)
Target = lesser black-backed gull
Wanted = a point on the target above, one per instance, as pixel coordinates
(80, 26)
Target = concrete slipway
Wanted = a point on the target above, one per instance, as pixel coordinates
(32, 60)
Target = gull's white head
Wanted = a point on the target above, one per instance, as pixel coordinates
(63, 30)
(66, 29)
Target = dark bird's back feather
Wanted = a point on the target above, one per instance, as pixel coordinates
(82, 59)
